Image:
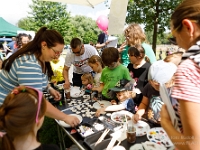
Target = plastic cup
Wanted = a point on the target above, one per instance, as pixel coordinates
(67, 94)
(131, 133)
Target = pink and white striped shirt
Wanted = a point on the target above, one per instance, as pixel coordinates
(187, 82)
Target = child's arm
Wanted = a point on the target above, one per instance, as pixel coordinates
(113, 102)
(141, 109)
(109, 108)
(99, 89)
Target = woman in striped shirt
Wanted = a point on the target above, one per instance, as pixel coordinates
(31, 67)
(185, 25)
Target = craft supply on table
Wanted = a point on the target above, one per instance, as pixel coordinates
(141, 128)
(100, 104)
(119, 116)
(159, 136)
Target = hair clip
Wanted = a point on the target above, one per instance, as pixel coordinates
(2, 134)
(15, 91)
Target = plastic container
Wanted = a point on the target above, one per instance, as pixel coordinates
(91, 140)
(103, 145)
(109, 123)
(97, 124)
(85, 130)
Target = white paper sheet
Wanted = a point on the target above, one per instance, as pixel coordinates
(166, 100)
(117, 16)
(113, 41)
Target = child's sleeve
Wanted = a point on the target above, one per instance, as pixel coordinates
(127, 74)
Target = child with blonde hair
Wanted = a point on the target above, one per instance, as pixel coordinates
(123, 92)
(87, 81)
(95, 62)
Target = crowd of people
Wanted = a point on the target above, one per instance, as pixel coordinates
(129, 77)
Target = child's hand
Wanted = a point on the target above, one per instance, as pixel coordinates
(99, 111)
(113, 102)
(136, 118)
(89, 86)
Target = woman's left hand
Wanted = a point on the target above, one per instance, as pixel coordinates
(55, 94)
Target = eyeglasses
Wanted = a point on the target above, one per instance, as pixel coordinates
(78, 51)
(57, 53)
(173, 39)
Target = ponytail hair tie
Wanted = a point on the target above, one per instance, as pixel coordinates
(2, 134)
(15, 91)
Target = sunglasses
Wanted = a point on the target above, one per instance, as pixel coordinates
(57, 53)
(78, 51)
(173, 40)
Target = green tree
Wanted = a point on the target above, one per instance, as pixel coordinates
(161, 38)
(85, 28)
(154, 14)
(26, 23)
(50, 14)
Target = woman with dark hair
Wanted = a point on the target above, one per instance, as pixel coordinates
(30, 66)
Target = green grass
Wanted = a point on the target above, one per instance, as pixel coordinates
(48, 133)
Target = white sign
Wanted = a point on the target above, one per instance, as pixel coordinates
(117, 16)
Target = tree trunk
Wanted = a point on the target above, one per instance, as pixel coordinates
(155, 36)
(155, 26)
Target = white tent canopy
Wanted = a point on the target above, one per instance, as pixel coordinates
(90, 3)
(117, 14)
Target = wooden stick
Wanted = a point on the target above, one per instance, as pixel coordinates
(102, 136)
(99, 103)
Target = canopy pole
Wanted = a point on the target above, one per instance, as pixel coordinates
(90, 4)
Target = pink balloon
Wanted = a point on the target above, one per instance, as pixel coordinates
(102, 22)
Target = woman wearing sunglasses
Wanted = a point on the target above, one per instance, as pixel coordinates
(185, 27)
(31, 67)
(21, 116)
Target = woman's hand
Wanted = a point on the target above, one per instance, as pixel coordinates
(120, 49)
(165, 118)
(66, 85)
(55, 94)
(72, 120)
